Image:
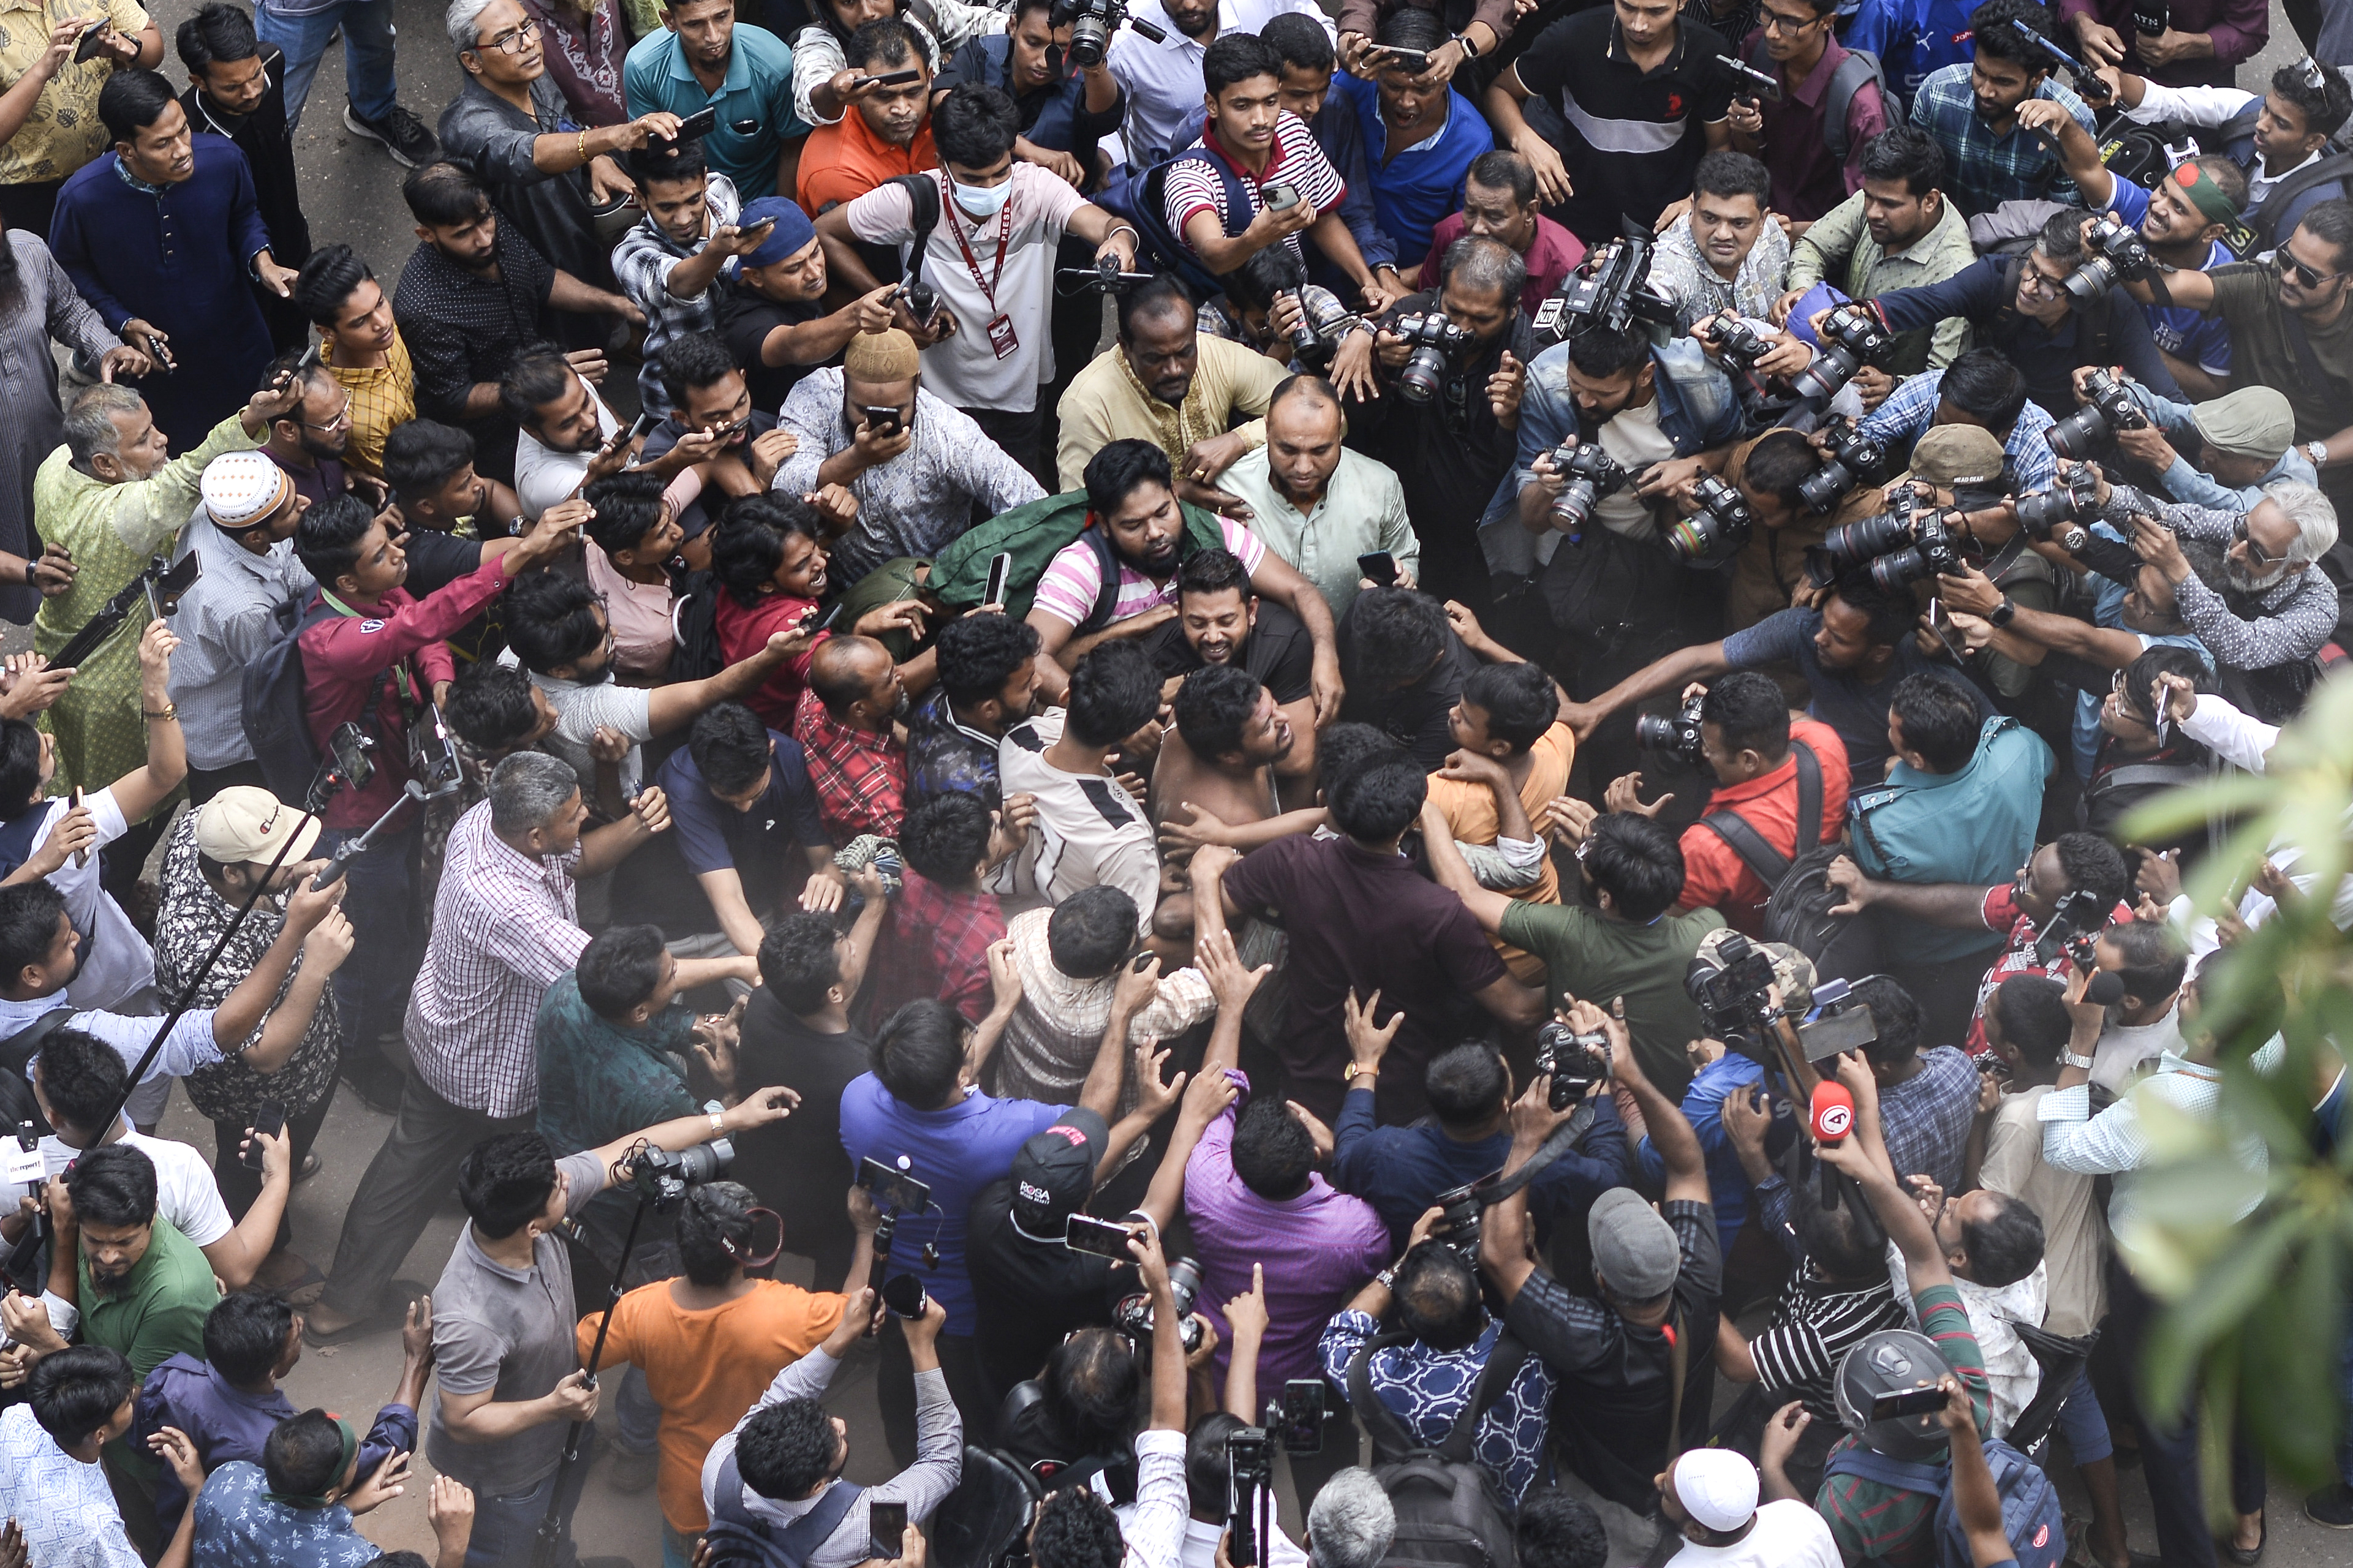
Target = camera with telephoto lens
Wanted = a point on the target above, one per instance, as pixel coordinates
(662, 1175)
(1733, 989)
(1587, 473)
(1901, 547)
(2118, 253)
(1133, 1316)
(1092, 24)
(1575, 1061)
(2108, 406)
(1850, 338)
(1435, 341)
(1718, 529)
(1739, 344)
(1461, 1210)
(2072, 929)
(1676, 734)
(2059, 515)
(1851, 455)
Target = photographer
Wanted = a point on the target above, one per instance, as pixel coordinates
(1268, 298)
(1656, 1275)
(1980, 388)
(1449, 416)
(1437, 1363)
(1898, 231)
(1401, 1170)
(1769, 573)
(2243, 440)
(2021, 306)
(2081, 873)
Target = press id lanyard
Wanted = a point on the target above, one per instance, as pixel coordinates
(1001, 337)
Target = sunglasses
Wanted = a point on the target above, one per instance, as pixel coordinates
(2256, 555)
(2305, 275)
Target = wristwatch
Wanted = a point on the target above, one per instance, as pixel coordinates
(2069, 1059)
(1369, 1070)
(1469, 49)
(1386, 1277)
(2318, 452)
(2002, 614)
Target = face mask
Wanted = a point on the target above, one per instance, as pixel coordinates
(982, 201)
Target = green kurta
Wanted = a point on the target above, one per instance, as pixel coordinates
(112, 531)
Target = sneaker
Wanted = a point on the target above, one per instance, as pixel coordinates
(629, 1471)
(2331, 1507)
(403, 135)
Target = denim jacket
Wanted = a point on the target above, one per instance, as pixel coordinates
(1698, 408)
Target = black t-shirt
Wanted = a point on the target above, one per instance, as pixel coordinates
(1650, 125)
(1029, 1293)
(797, 1165)
(1416, 715)
(764, 845)
(745, 319)
(436, 560)
(1279, 652)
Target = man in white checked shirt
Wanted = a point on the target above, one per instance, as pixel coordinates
(505, 928)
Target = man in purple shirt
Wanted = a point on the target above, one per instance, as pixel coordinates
(1814, 165)
(229, 1402)
(2202, 44)
(918, 1113)
(1361, 919)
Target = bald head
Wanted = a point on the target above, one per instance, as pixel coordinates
(1304, 427)
(857, 681)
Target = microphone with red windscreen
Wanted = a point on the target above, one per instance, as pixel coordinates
(1832, 1118)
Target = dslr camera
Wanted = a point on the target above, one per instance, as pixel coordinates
(662, 1177)
(1587, 474)
(2108, 406)
(1850, 339)
(1435, 341)
(2118, 252)
(1852, 455)
(1676, 734)
(1739, 344)
(1576, 1061)
(1901, 548)
(1464, 1208)
(2059, 515)
(1134, 1315)
(1092, 24)
(1718, 529)
(1316, 338)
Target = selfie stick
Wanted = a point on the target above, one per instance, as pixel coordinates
(353, 849)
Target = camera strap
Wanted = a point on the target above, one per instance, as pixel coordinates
(1741, 836)
(1564, 1138)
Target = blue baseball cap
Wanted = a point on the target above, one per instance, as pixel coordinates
(792, 233)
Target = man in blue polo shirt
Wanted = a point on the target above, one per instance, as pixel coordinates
(1420, 136)
(702, 57)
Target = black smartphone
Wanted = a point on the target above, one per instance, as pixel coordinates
(1102, 1238)
(1910, 1402)
(903, 1294)
(91, 38)
(832, 616)
(893, 1188)
(1379, 567)
(1304, 1411)
(700, 123)
(1415, 61)
(1001, 573)
(270, 1117)
(882, 421)
(888, 78)
(763, 226)
(886, 1529)
(641, 426)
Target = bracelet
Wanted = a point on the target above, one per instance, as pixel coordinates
(581, 146)
(1386, 1277)
(171, 713)
(29, 581)
(2070, 1058)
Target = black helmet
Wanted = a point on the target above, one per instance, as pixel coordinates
(1891, 1361)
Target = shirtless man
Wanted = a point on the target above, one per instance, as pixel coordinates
(1221, 621)
(1221, 759)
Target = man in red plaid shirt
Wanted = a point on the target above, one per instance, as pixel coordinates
(845, 724)
(942, 924)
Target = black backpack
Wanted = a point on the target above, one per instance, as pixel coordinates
(740, 1538)
(1799, 893)
(1449, 1513)
(273, 706)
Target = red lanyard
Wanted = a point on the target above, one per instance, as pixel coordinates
(987, 286)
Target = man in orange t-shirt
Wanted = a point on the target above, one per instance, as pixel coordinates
(710, 1341)
(1511, 759)
(885, 129)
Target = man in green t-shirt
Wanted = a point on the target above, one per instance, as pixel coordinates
(1632, 941)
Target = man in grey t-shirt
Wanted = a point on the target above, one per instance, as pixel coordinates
(503, 1345)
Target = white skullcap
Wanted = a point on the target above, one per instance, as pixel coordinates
(1716, 1487)
(241, 488)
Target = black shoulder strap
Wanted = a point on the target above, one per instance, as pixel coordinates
(1391, 1438)
(796, 1543)
(1743, 839)
(1503, 1365)
(2139, 775)
(26, 1044)
(924, 197)
(2266, 221)
(1107, 596)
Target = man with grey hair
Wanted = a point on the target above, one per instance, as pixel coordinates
(1351, 1522)
(2281, 606)
(505, 928)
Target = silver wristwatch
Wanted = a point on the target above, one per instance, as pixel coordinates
(2069, 1059)
(2318, 452)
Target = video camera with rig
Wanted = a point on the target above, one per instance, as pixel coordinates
(1611, 288)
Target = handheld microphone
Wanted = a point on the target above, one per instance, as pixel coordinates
(2107, 988)
(1832, 1117)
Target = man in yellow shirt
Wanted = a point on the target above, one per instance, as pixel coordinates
(360, 348)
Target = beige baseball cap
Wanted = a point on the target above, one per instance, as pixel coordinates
(245, 824)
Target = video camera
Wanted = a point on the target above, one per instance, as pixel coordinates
(1850, 338)
(1677, 734)
(1852, 456)
(1718, 529)
(1901, 548)
(2072, 929)
(1249, 1482)
(1435, 341)
(2118, 252)
(2059, 515)
(1133, 1316)
(1575, 1060)
(662, 1177)
(1732, 991)
(1092, 24)
(2109, 407)
(1611, 288)
(1587, 474)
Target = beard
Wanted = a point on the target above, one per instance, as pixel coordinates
(2246, 582)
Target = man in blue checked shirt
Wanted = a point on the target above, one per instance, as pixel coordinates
(1972, 112)
(1980, 388)
(1424, 1379)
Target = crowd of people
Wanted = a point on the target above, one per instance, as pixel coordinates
(1408, 733)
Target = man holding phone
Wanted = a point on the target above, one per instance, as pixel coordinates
(701, 61)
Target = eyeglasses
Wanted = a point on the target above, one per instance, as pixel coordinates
(2305, 275)
(1773, 22)
(2043, 283)
(342, 419)
(2256, 554)
(512, 43)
